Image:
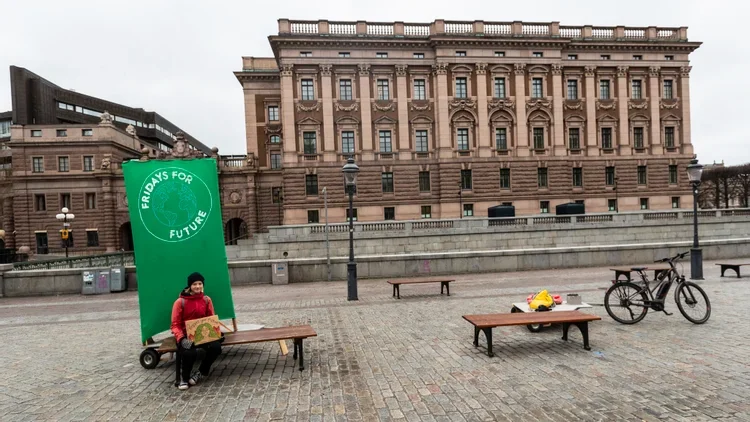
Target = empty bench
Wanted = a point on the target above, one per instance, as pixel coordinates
(444, 284)
(733, 267)
(487, 322)
(657, 269)
(296, 333)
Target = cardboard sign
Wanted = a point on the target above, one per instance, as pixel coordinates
(203, 330)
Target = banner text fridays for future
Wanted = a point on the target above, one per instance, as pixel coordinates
(175, 214)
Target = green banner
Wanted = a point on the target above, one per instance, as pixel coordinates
(175, 214)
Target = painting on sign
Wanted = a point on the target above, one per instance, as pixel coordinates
(203, 330)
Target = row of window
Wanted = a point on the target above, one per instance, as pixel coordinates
(40, 201)
(61, 133)
(63, 164)
(466, 183)
(461, 90)
(135, 123)
(462, 53)
(389, 213)
(92, 240)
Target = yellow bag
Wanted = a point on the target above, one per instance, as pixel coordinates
(543, 301)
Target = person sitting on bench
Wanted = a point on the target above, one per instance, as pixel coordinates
(193, 304)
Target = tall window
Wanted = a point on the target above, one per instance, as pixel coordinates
(310, 142)
(385, 141)
(636, 90)
(461, 88)
(577, 177)
(275, 161)
(574, 138)
(669, 137)
(308, 91)
(421, 141)
(642, 175)
(277, 195)
(538, 138)
(40, 202)
(499, 87)
(536, 88)
(462, 139)
(673, 175)
(37, 165)
(420, 93)
(383, 90)
(311, 184)
(90, 201)
(347, 142)
(63, 164)
(386, 179)
(607, 137)
(273, 113)
(604, 89)
(275, 139)
(541, 177)
(668, 89)
(544, 207)
(313, 216)
(504, 178)
(466, 179)
(88, 163)
(92, 238)
(389, 213)
(65, 200)
(609, 176)
(501, 138)
(572, 89)
(638, 137)
(468, 210)
(424, 181)
(426, 211)
(345, 89)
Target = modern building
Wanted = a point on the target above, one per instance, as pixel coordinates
(447, 119)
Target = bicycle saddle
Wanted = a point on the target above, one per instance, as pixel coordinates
(638, 268)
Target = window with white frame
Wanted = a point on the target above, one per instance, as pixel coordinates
(347, 142)
(383, 90)
(385, 141)
(577, 177)
(669, 136)
(504, 178)
(541, 177)
(638, 137)
(345, 90)
(538, 133)
(636, 90)
(501, 138)
(572, 89)
(308, 90)
(418, 55)
(275, 161)
(606, 137)
(500, 88)
(275, 139)
(462, 139)
(604, 89)
(426, 211)
(574, 138)
(310, 142)
(421, 140)
(536, 88)
(273, 113)
(668, 94)
(420, 92)
(461, 88)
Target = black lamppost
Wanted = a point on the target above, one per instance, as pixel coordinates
(460, 199)
(695, 172)
(65, 216)
(350, 171)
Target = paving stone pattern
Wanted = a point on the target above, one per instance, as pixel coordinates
(76, 358)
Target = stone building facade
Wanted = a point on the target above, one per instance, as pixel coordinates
(448, 118)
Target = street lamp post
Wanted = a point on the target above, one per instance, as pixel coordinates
(695, 173)
(617, 202)
(350, 171)
(66, 217)
(460, 200)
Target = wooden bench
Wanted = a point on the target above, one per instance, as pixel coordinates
(734, 267)
(296, 333)
(487, 322)
(444, 283)
(657, 269)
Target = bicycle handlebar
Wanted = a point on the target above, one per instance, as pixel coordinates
(674, 258)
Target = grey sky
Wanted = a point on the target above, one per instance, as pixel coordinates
(177, 57)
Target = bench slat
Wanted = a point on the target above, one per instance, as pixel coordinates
(421, 280)
(501, 320)
(253, 336)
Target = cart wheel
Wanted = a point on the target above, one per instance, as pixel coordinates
(514, 310)
(534, 328)
(149, 358)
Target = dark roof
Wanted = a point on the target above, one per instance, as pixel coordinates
(5, 115)
(36, 100)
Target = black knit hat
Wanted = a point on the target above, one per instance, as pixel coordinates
(192, 278)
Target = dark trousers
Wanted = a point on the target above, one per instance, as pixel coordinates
(188, 357)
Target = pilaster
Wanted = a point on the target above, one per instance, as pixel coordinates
(364, 102)
(592, 149)
(687, 143)
(485, 143)
(329, 135)
(654, 96)
(522, 132)
(287, 114)
(402, 89)
(557, 103)
(622, 110)
(445, 149)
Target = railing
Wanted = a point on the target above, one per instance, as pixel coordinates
(304, 27)
(535, 29)
(435, 224)
(596, 218)
(660, 216)
(459, 28)
(570, 32)
(551, 220)
(332, 228)
(606, 33)
(635, 33)
(92, 261)
(701, 214)
(343, 28)
(379, 29)
(734, 213)
(379, 227)
(508, 222)
(233, 162)
(417, 30)
(497, 28)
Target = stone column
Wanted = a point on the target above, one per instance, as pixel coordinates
(687, 143)
(557, 104)
(522, 131)
(485, 142)
(364, 102)
(329, 135)
(445, 147)
(287, 114)
(591, 142)
(251, 123)
(655, 124)
(402, 88)
(622, 107)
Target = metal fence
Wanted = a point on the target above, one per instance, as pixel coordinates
(91, 261)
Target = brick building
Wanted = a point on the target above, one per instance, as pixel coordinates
(449, 118)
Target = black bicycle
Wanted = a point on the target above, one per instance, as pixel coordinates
(628, 302)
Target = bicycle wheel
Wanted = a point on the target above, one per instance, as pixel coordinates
(692, 302)
(626, 302)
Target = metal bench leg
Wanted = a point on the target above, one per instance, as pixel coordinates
(583, 327)
(301, 355)
(398, 291)
(723, 268)
(476, 336)
(448, 288)
(488, 336)
(394, 290)
(737, 270)
(296, 346)
(442, 284)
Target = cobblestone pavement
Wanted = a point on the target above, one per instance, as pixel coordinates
(76, 358)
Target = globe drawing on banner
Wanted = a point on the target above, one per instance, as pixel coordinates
(174, 204)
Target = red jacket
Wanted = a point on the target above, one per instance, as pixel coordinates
(194, 307)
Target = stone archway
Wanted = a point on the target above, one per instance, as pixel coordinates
(234, 230)
(126, 237)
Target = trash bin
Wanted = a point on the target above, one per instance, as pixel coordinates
(279, 273)
(117, 280)
(89, 282)
(102, 281)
